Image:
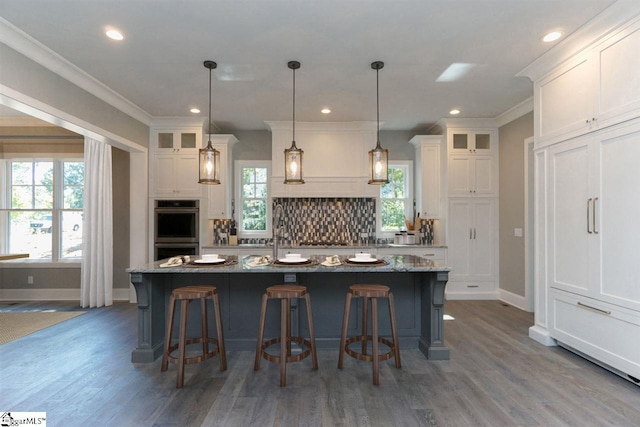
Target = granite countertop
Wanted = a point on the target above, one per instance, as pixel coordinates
(393, 263)
(355, 246)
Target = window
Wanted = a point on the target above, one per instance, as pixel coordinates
(252, 183)
(42, 212)
(396, 200)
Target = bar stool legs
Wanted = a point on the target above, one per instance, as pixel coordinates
(370, 294)
(285, 293)
(185, 295)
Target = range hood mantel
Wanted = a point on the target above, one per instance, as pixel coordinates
(336, 158)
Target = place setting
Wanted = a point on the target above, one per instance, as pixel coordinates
(364, 259)
(293, 260)
(212, 260)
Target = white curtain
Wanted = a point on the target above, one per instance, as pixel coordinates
(97, 235)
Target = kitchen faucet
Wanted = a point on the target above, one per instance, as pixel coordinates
(278, 224)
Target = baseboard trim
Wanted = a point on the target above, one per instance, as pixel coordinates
(540, 334)
(119, 294)
(515, 300)
(471, 295)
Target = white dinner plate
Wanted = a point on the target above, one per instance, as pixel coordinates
(293, 260)
(363, 259)
(206, 261)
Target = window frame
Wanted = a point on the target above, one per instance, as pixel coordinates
(407, 165)
(239, 165)
(56, 210)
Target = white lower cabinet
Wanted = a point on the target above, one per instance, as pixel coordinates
(472, 248)
(592, 280)
(602, 331)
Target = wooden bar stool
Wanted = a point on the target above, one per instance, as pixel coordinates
(284, 293)
(185, 295)
(370, 293)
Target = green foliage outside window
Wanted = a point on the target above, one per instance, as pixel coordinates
(393, 200)
(254, 199)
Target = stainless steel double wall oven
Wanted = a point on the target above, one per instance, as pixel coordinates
(177, 228)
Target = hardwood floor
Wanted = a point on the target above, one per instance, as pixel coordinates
(80, 373)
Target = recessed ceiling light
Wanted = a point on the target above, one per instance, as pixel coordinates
(325, 111)
(552, 36)
(114, 34)
(454, 111)
(195, 110)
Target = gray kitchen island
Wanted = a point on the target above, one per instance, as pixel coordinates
(417, 284)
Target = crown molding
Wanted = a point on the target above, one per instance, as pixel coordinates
(515, 112)
(26, 45)
(603, 25)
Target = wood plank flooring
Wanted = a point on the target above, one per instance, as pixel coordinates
(80, 373)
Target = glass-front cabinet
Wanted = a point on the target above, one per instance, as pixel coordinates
(469, 142)
(173, 141)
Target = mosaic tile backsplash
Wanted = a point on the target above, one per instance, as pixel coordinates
(336, 220)
(326, 220)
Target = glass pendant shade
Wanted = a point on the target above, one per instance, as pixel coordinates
(378, 165)
(293, 155)
(209, 161)
(293, 165)
(378, 157)
(209, 157)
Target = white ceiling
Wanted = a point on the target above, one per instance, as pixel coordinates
(158, 66)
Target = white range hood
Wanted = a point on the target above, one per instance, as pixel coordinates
(336, 158)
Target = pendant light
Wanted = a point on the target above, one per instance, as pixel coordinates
(293, 155)
(209, 157)
(378, 157)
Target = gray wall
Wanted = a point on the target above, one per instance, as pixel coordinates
(28, 77)
(397, 142)
(511, 152)
(252, 145)
(121, 223)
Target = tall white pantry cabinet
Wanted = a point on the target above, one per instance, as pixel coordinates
(587, 197)
(472, 208)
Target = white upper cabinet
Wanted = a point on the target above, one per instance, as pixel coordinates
(428, 170)
(473, 162)
(174, 161)
(596, 88)
(219, 196)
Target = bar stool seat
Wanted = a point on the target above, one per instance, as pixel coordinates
(370, 293)
(284, 293)
(185, 295)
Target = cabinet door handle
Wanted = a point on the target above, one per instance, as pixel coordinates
(474, 234)
(588, 307)
(595, 200)
(588, 221)
(470, 231)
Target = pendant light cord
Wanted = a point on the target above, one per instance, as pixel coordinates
(294, 105)
(378, 104)
(209, 104)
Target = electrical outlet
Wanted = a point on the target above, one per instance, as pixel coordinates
(30, 280)
(290, 278)
(517, 232)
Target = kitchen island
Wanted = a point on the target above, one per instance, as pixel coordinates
(417, 284)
